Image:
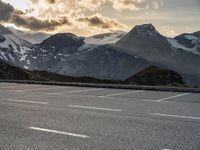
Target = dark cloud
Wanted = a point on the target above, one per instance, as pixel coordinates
(35, 24)
(51, 1)
(101, 22)
(48, 1)
(6, 11)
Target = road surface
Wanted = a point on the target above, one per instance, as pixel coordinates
(46, 117)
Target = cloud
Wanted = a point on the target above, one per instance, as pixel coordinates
(91, 4)
(50, 19)
(19, 18)
(34, 1)
(6, 11)
(135, 5)
(100, 21)
(35, 24)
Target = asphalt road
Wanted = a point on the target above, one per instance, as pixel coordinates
(44, 117)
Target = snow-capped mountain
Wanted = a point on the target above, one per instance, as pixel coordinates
(12, 48)
(107, 38)
(146, 42)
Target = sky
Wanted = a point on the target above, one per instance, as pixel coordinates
(90, 17)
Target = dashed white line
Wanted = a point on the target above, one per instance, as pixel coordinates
(76, 91)
(171, 97)
(59, 132)
(175, 116)
(36, 89)
(24, 101)
(95, 108)
(123, 93)
(18, 86)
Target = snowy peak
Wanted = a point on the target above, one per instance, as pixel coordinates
(4, 30)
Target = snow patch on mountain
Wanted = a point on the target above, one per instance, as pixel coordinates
(194, 40)
(102, 39)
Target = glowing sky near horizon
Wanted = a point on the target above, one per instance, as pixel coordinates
(89, 17)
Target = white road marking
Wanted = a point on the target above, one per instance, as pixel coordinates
(123, 93)
(76, 91)
(36, 89)
(59, 132)
(94, 108)
(24, 101)
(156, 101)
(175, 116)
(18, 86)
(166, 149)
(171, 97)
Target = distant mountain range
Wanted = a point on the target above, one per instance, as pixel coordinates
(111, 56)
(149, 76)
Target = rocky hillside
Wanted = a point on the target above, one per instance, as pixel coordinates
(156, 76)
(9, 72)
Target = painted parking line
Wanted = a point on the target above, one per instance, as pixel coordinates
(95, 108)
(76, 91)
(37, 89)
(172, 97)
(123, 93)
(59, 132)
(18, 86)
(175, 116)
(25, 101)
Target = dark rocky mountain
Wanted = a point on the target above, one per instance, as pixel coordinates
(156, 76)
(62, 43)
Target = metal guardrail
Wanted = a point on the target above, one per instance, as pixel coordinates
(114, 86)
